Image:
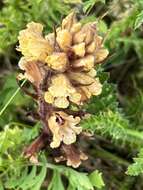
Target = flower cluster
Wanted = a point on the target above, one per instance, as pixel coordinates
(69, 54)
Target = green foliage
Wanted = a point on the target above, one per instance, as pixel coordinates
(72, 1)
(76, 180)
(10, 90)
(107, 123)
(118, 28)
(96, 179)
(28, 180)
(88, 5)
(13, 138)
(134, 109)
(139, 20)
(56, 182)
(9, 87)
(113, 125)
(16, 14)
(17, 174)
(108, 98)
(10, 138)
(137, 167)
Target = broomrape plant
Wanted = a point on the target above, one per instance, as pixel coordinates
(61, 69)
(78, 110)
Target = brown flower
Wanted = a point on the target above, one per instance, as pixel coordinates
(32, 71)
(63, 128)
(72, 155)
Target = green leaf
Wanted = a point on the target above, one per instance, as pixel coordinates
(79, 180)
(1, 186)
(26, 181)
(15, 14)
(136, 168)
(102, 27)
(28, 178)
(96, 179)
(88, 5)
(56, 182)
(139, 20)
(15, 180)
(37, 182)
(72, 1)
(114, 125)
(10, 138)
(107, 100)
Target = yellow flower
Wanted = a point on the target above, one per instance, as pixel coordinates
(69, 21)
(100, 55)
(91, 47)
(79, 49)
(86, 84)
(94, 89)
(86, 62)
(60, 90)
(75, 28)
(80, 78)
(86, 34)
(32, 44)
(63, 128)
(57, 61)
(64, 39)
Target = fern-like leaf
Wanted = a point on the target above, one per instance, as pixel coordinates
(137, 167)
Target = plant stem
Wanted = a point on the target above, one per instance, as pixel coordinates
(99, 152)
(134, 133)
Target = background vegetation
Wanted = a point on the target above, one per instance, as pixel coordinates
(116, 150)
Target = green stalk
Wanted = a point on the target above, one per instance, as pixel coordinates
(11, 98)
(101, 153)
(134, 133)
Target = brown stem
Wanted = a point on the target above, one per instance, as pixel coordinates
(36, 145)
(44, 113)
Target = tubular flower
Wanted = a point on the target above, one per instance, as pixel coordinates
(87, 86)
(33, 73)
(60, 90)
(32, 44)
(61, 68)
(72, 155)
(64, 129)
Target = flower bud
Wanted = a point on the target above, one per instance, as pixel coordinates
(64, 39)
(100, 55)
(79, 49)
